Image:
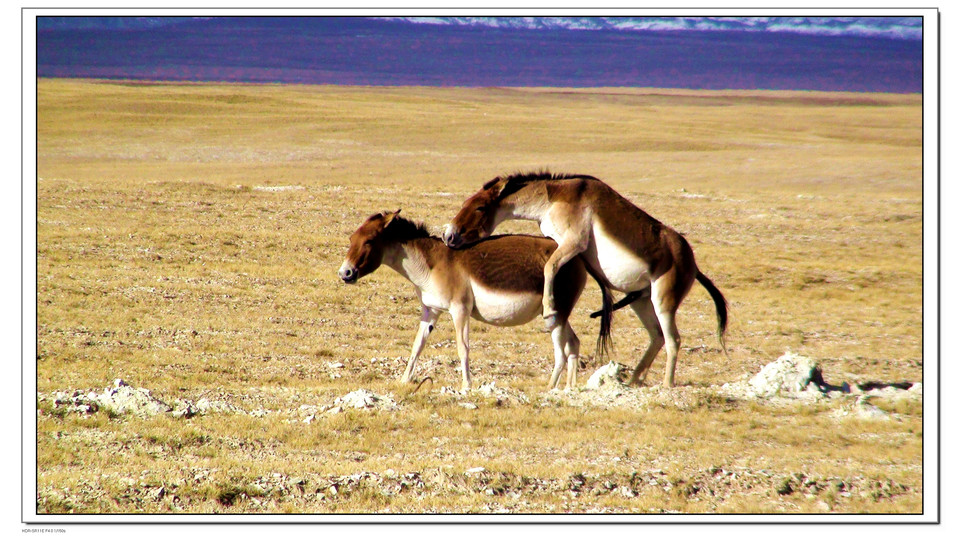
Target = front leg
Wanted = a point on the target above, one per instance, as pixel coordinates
(461, 324)
(427, 320)
(572, 350)
(558, 336)
(572, 244)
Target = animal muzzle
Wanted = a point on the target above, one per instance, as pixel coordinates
(348, 273)
(452, 237)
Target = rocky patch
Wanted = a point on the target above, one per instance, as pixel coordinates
(119, 399)
(789, 379)
(489, 392)
(123, 399)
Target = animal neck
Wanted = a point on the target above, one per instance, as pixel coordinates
(411, 259)
(528, 204)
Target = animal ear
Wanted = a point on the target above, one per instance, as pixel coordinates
(498, 187)
(495, 186)
(388, 217)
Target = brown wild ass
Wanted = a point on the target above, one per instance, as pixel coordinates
(498, 281)
(630, 250)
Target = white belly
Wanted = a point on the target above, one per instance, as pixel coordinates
(504, 308)
(622, 267)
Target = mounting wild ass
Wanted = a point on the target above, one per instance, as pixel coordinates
(631, 251)
(498, 281)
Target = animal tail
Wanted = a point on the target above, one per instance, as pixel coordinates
(721, 304)
(626, 300)
(604, 341)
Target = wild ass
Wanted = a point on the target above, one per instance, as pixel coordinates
(630, 250)
(498, 281)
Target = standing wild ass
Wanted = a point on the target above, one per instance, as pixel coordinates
(498, 281)
(630, 250)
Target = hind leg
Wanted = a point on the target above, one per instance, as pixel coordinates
(461, 323)
(666, 309)
(666, 293)
(648, 316)
(672, 342)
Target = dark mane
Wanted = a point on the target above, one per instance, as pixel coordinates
(518, 180)
(402, 229)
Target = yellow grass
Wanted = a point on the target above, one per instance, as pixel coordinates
(188, 242)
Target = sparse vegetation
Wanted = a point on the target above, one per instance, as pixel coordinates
(188, 242)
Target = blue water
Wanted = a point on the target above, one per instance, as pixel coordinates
(865, 55)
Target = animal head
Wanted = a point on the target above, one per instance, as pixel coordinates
(477, 217)
(365, 253)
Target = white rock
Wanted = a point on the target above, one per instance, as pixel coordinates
(362, 398)
(607, 375)
(790, 373)
(124, 399)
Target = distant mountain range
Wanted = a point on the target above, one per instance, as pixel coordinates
(882, 27)
(866, 54)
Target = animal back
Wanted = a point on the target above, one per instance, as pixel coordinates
(510, 263)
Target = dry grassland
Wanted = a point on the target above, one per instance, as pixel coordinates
(188, 243)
